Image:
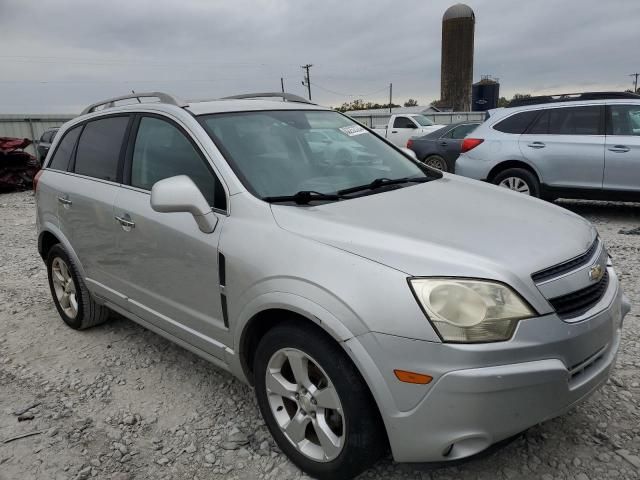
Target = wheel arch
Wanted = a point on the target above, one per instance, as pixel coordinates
(513, 164)
(49, 236)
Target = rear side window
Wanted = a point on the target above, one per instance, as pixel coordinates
(162, 151)
(568, 121)
(517, 123)
(403, 122)
(462, 131)
(624, 120)
(62, 156)
(99, 148)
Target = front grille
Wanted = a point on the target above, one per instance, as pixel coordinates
(565, 267)
(579, 369)
(576, 303)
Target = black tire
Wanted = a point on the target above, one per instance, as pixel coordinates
(439, 160)
(365, 438)
(525, 175)
(89, 313)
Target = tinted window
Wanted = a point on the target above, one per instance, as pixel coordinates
(62, 156)
(99, 148)
(624, 120)
(462, 131)
(162, 151)
(517, 123)
(46, 137)
(403, 122)
(575, 121)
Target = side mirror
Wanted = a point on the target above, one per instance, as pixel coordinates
(411, 153)
(180, 194)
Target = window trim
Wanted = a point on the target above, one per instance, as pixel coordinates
(127, 163)
(601, 121)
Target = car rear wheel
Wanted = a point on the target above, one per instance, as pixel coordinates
(70, 294)
(519, 180)
(436, 161)
(316, 405)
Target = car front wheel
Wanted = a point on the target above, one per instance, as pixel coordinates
(315, 403)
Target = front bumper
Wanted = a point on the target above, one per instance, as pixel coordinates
(479, 395)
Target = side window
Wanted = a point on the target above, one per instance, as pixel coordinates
(575, 121)
(99, 148)
(403, 122)
(62, 155)
(624, 120)
(517, 123)
(541, 125)
(462, 131)
(162, 151)
(46, 137)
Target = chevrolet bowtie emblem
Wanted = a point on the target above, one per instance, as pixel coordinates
(596, 273)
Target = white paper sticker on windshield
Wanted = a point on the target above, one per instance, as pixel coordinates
(353, 130)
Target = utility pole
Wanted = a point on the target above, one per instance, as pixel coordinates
(282, 84)
(307, 79)
(390, 96)
(636, 75)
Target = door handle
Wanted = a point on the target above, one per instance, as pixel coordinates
(536, 145)
(443, 144)
(65, 201)
(394, 131)
(619, 149)
(126, 222)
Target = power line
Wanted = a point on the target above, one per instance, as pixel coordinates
(349, 94)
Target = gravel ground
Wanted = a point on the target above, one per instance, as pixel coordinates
(119, 402)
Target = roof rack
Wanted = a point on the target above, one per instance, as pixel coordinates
(569, 97)
(110, 102)
(286, 97)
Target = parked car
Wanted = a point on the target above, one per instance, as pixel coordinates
(573, 146)
(44, 144)
(440, 149)
(401, 127)
(360, 328)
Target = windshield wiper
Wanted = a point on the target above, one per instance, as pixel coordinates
(383, 182)
(303, 197)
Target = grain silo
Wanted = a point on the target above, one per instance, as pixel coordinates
(458, 25)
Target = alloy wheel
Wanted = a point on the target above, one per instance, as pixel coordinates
(64, 287)
(517, 184)
(436, 162)
(305, 404)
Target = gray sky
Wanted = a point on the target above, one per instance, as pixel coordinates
(58, 56)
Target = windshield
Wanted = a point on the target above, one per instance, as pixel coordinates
(283, 152)
(422, 120)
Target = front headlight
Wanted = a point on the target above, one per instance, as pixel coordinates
(470, 311)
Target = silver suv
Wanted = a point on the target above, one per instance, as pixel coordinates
(571, 146)
(365, 316)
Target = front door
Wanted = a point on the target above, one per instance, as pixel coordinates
(169, 268)
(566, 145)
(403, 129)
(622, 152)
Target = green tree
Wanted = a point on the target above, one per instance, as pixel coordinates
(411, 103)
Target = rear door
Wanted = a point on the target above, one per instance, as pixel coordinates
(622, 153)
(86, 199)
(451, 142)
(402, 129)
(168, 268)
(566, 145)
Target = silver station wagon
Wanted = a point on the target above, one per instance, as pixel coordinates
(374, 303)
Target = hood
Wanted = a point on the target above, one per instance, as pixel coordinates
(447, 227)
